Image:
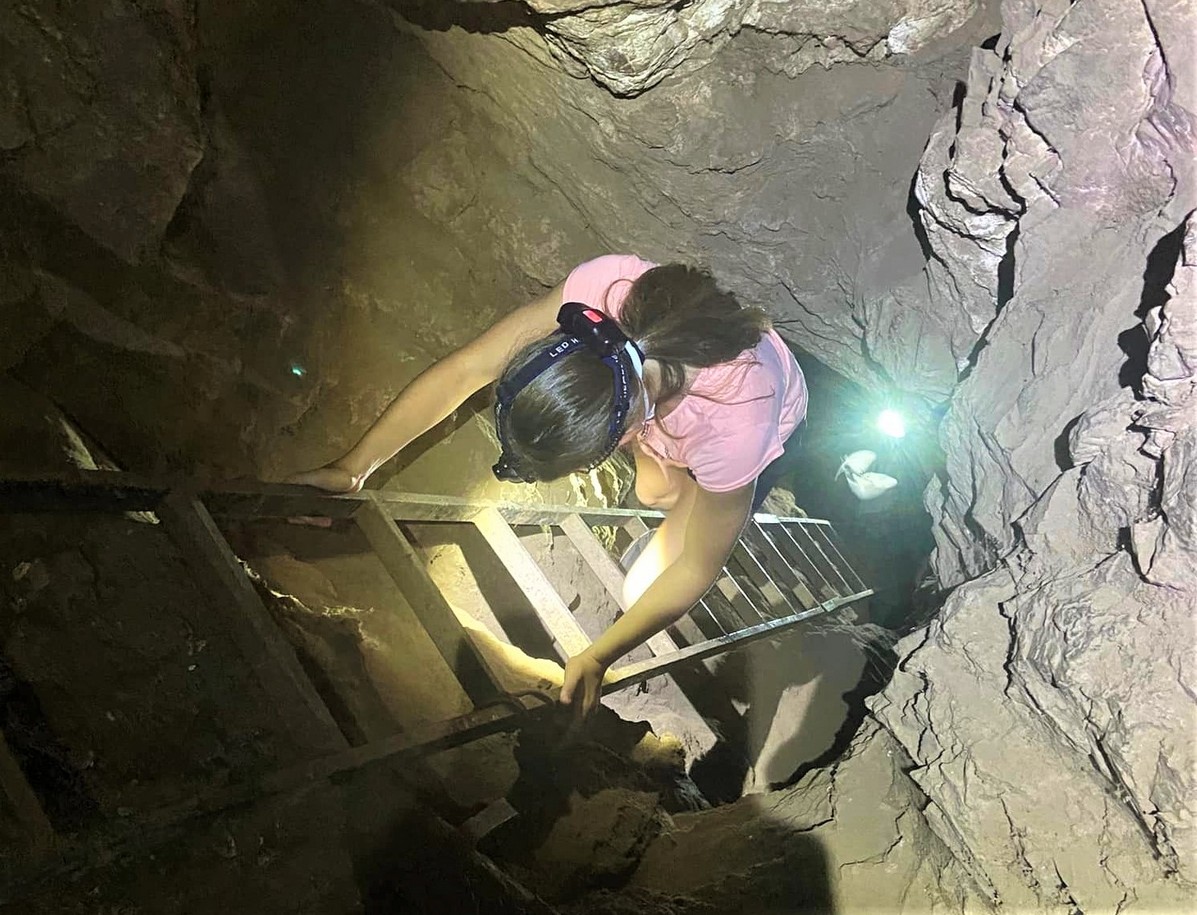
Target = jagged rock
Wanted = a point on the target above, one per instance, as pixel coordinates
(630, 47)
(1093, 138)
(846, 838)
(1078, 676)
(99, 114)
(1071, 651)
(1165, 541)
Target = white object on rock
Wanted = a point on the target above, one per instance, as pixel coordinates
(864, 485)
(856, 462)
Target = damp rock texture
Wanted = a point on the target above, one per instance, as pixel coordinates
(630, 47)
(1049, 709)
(843, 839)
(1075, 143)
(100, 115)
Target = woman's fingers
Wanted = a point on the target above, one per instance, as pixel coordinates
(583, 686)
(310, 521)
(331, 479)
(566, 696)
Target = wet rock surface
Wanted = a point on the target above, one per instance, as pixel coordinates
(100, 114)
(1047, 709)
(630, 47)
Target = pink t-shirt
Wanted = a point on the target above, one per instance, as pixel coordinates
(736, 416)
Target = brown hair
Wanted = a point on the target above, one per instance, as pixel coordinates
(677, 315)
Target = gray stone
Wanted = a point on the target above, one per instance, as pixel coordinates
(99, 108)
(1048, 711)
(629, 47)
(1087, 218)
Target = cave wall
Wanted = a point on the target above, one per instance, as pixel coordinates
(1047, 713)
(1049, 709)
(254, 223)
(791, 181)
(211, 256)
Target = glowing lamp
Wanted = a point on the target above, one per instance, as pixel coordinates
(891, 423)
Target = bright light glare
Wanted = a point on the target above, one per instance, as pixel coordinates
(891, 423)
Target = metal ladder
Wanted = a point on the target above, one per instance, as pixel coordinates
(782, 572)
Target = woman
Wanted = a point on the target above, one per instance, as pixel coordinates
(703, 393)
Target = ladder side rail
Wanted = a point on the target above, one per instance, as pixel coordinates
(405, 567)
(550, 609)
(270, 654)
(636, 673)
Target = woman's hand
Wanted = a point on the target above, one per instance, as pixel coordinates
(583, 683)
(331, 478)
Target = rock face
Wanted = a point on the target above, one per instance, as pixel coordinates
(791, 184)
(1049, 709)
(844, 839)
(1085, 137)
(99, 114)
(630, 47)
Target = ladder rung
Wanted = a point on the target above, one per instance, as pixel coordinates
(556, 617)
(769, 591)
(801, 560)
(632, 674)
(437, 618)
(811, 533)
(788, 580)
(827, 534)
(744, 611)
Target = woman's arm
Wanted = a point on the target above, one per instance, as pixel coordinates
(709, 524)
(435, 393)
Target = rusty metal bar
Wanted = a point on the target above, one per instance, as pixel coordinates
(634, 674)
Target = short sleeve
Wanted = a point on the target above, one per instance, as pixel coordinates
(603, 283)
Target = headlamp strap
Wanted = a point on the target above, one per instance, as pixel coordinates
(582, 328)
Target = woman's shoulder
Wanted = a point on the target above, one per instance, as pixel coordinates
(598, 282)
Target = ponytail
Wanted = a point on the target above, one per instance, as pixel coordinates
(679, 316)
